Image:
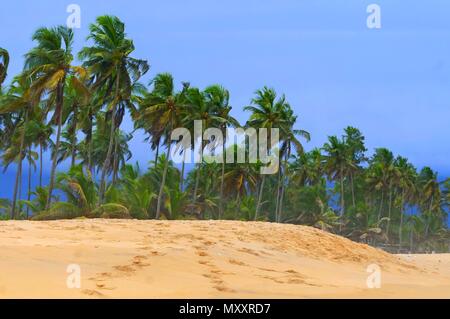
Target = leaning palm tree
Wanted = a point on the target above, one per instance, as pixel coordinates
(49, 65)
(289, 140)
(266, 112)
(17, 101)
(113, 71)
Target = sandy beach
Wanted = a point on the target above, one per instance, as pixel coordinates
(204, 259)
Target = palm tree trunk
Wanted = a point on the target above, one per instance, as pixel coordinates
(107, 163)
(381, 205)
(261, 188)
(115, 161)
(353, 191)
(163, 182)
(40, 165)
(74, 137)
(182, 171)
(59, 107)
(400, 228)
(222, 177)
(411, 238)
(278, 195)
(157, 153)
(342, 199)
(283, 185)
(89, 141)
(29, 183)
(389, 212)
(197, 181)
(19, 167)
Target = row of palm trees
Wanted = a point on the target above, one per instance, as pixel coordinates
(76, 111)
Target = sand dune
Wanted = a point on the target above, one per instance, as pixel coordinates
(204, 259)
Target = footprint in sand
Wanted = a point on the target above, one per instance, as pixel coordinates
(237, 262)
(92, 292)
(139, 261)
(249, 251)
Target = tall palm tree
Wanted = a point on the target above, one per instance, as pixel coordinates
(289, 141)
(18, 101)
(266, 112)
(49, 65)
(356, 156)
(336, 159)
(407, 176)
(381, 176)
(217, 99)
(163, 108)
(430, 194)
(114, 71)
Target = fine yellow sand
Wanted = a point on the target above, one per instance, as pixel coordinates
(204, 259)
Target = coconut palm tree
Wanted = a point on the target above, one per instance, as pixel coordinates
(266, 112)
(381, 176)
(289, 141)
(217, 100)
(430, 195)
(16, 101)
(49, 65)
(163, 108)
(407, 176)
(113, 71)
(356, 156)
(336, 159)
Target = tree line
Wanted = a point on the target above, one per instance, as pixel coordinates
(75, 113)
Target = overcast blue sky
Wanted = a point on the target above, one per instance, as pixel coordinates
(392, 83)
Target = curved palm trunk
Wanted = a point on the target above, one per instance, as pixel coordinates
(74, 137)
(353, 191)
(157, 154)
(116, 161)
(261, 188)
(19, 168)
(283, 186)
(182, 174)
(59, 107)
(278, 195)
(381, 205)
(40, 164)
(163, 182)
(107, 162)
(389, 213)
(342, 199)
(400, 227)
(29, 183)
(222, 177)
(197, 181)
(90, 145)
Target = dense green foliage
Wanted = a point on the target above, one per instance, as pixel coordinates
(75, 112)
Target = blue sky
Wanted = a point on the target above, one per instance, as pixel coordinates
(392, 83)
